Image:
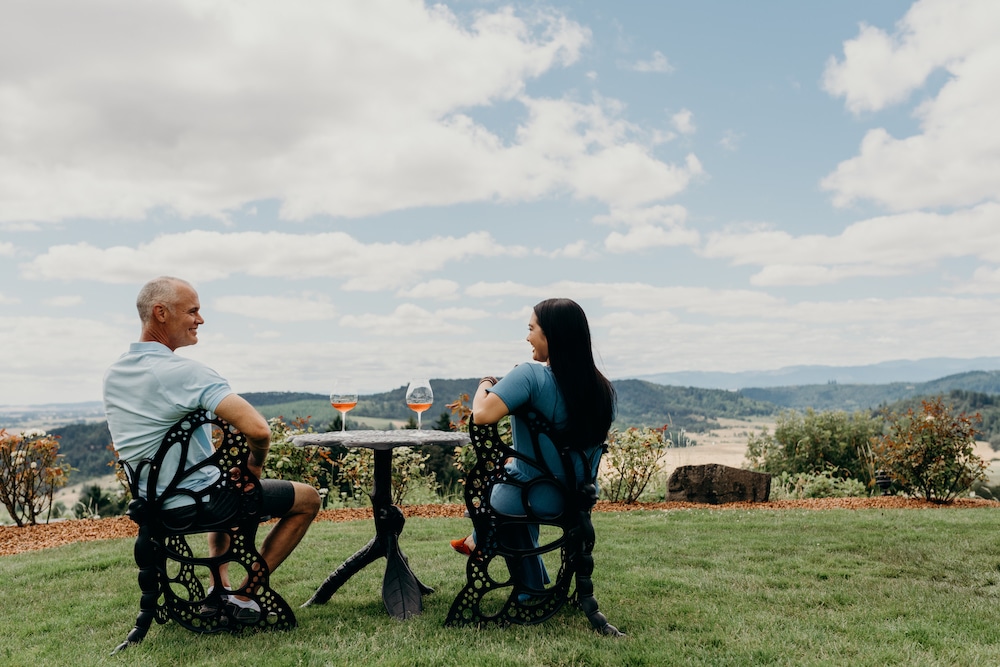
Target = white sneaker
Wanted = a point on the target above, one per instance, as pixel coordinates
(242, 611)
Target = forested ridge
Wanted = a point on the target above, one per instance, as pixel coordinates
(640, 403)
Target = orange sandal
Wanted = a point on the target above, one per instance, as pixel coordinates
(461, 547)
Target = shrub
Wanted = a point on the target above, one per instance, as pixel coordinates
(795, 486)
(286, 460)
(931, 453)
(31, 469)
(357, 469)
(95, 502)
(816, 443)
(632, 459)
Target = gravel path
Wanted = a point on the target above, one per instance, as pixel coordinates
(30, 538)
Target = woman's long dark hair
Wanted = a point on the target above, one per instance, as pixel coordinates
(589, 396)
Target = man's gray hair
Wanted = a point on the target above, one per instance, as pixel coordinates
(161, 290)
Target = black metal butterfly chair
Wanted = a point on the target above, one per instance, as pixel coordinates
(171, 576)
(498, 595)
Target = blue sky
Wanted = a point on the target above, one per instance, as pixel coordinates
(382, 189)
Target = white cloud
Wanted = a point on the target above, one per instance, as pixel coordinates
(638, 327)
(576, 250)
(64, 301)
(985, 280)
(408, 320)
(683, 121)
(880, 69)
(672, 214)
(41, 356)
(639, 296)
(641, 237)
(648, 227)
(730, 140)
(955, 158)
(351, 110)
(658, 63)
(883, 246)
(6, 249)
(303, 308)
(204, 256)
(8, 300)
(591, 150)
(431, 289)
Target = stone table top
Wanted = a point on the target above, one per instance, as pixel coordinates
(381, 440)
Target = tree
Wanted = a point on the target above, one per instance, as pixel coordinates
(931, 453)
(816, 442)
(31, 469)
(443, 423)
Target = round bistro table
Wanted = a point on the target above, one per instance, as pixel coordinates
(401, 590)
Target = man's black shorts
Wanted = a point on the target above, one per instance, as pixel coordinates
(277, 498)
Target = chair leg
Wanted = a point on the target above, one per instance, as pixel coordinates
(584, 583)
(149, 584)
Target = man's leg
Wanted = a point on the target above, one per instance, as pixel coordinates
(218, 543)
(290, 529)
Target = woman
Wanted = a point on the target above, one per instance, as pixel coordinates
(566, 388)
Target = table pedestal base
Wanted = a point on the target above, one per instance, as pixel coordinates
(401, 590)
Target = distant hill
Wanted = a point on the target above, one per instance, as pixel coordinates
(386, 405)
(639, 404)
(648, 404)
(851, 397)
(85, 446)
(905, 371)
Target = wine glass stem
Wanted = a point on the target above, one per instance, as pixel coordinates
(343, 421)
(418, 421)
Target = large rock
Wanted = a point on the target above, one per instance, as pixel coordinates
(715, 484)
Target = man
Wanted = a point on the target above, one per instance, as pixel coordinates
(150, 388)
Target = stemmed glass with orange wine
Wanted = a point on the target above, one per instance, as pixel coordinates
(343, 398)
(419, 397)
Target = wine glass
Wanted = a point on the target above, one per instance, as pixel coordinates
(343, 398)
(419, 397)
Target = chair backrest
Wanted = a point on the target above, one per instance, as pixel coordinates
(170, 460)
(559, 500)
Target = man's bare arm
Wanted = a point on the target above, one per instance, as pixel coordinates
(237, 411)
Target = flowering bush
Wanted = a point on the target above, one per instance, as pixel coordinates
(632, 460)
(31, 469)
(931, 453)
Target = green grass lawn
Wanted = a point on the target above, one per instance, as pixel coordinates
(690, 587)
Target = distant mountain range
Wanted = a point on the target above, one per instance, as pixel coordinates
(903, 370)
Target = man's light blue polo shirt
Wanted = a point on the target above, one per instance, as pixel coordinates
(146, 392)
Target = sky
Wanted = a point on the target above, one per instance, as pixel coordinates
(382, 189)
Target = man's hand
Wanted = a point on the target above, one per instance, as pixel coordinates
(256, 464)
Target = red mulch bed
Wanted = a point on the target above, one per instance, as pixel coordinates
(29, 538)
